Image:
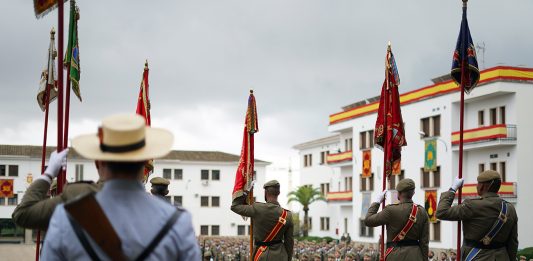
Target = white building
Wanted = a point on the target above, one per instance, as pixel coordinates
(497, 127)
(201, 181)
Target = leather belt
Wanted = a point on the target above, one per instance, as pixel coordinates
(403, 243)
(269, 243)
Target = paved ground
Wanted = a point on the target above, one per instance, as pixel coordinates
(17, 252)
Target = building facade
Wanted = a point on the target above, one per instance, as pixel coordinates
(200, 181)
(496, 137)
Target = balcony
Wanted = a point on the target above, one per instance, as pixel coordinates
(484, 137)
(507, 190)
(340, 158)
(339, 196)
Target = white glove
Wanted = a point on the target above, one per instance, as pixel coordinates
(56, 162)
(457, 183)
(380, 197)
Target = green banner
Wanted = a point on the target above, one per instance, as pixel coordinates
(430, 155)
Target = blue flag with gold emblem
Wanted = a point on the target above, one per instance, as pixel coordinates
(464, 65)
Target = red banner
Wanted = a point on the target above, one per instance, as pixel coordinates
(143, 109)
(431, 204)
(245, 171)
(367, 164)
(6, 188)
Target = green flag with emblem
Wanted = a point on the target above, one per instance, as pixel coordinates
(430, 155)
(72, 56)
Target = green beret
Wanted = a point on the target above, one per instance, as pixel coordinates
(271, 183)
(159, 181)
(405, 184)
(487, 176)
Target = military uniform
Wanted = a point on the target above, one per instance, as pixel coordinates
(395, 216)
(478, 216)
(264, 217)
(36, 208)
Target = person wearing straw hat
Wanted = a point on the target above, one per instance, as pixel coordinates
(122, 221)
(36, 207)
(489, 222)
(407, 224)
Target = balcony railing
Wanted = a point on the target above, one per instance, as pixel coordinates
(507, 190)
(339, 196)
(499, 132)
(339, 157)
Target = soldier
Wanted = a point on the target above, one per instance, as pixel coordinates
(121, 222)
(272, 225)
(407, 224)
(489, 222)
(36, 208)
(159, 187)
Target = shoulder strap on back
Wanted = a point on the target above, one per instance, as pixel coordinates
(162, 232)
(83, 239)
(89, 215)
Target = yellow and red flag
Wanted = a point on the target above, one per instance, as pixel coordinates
(431, 204)
(367, 163)
(245, 171)
(143, 109)
(6, 188)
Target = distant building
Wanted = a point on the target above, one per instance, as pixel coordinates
(200, 181)
(497, 127)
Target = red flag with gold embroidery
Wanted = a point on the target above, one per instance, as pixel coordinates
(245, 171)
(389, 133)
(143, 109)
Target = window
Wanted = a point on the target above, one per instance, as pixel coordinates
(430, 179)
(348, 184)
(204, 230)
(481, 118)
(493, 116)
(79, 172)
(13, 201)
(241, 230)
(13, 170)
(205, 174)
(365, 231)
(366, 184)
(434, 231)
(310, 223)
(348, 144)
(2, 201)
(366, 139)
(9, 229)
(324, 223)
(215, 230)
(167, 173)
(394, 179)
(215, 174)
(502, 115)
(308, 160)
(493, 166)
(204, 201)
(324, 189)
(178, 174)
(215, 201)
(2, 170)
(481, 167)
(167, 198)
(323, 157)
(178, 200)
(502, 171)
(430, 126)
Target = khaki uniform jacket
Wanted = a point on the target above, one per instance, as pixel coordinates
(478, 216)
(36, 207)
(264, 217)
(395, 217)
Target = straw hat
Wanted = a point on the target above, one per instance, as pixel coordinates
(124, 137)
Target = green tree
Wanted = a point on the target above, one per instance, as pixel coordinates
(306, 195)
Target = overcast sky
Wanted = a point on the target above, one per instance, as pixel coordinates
(304, 59)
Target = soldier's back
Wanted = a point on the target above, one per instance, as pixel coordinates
(267, 217)
(399, 216)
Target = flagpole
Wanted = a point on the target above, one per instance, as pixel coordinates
(251, 199)
(461, 131)
(385, 151)
(61, 178)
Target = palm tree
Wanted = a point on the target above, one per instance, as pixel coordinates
(305, 195)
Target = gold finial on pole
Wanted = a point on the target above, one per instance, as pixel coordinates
(52, 32)
(389, 46)
(146, 64)
(251, 91)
